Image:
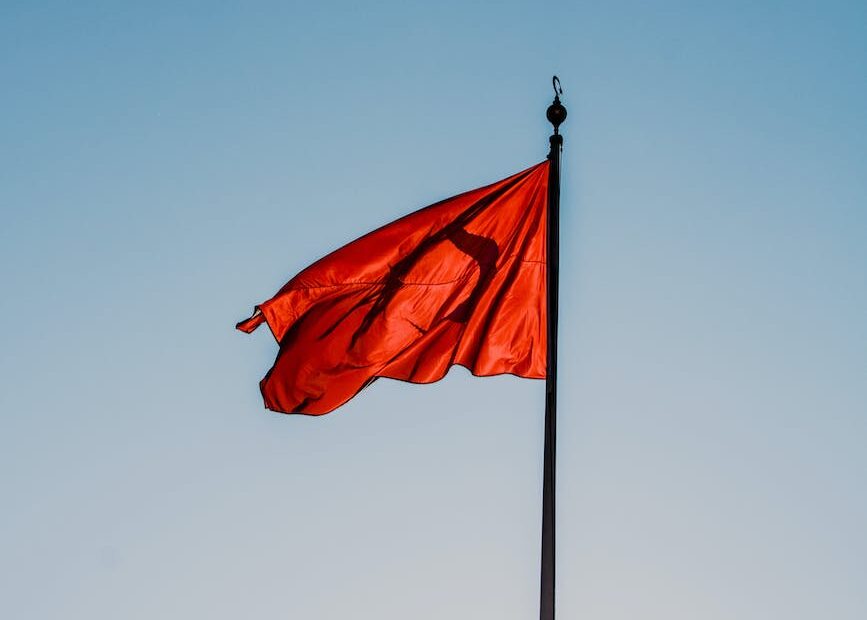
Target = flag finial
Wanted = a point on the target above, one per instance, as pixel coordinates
(556, 112)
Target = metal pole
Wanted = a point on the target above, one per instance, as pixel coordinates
(556, 115)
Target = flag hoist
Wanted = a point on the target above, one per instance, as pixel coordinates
(471, 281)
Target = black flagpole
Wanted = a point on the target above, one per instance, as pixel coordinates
(556, 115)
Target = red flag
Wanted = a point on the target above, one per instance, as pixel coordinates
(459, 282)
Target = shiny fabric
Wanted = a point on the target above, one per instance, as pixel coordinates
(459, 282)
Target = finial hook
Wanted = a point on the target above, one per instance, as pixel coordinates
(558, 89)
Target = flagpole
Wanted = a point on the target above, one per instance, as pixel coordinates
(556, 115)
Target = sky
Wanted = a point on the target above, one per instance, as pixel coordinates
(166, 165)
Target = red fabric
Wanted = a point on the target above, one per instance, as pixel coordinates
(459, 282)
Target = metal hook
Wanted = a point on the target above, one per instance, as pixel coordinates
(558, 88)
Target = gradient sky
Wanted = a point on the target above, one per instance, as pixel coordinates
(164, 166)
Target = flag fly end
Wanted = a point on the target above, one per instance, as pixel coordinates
(255, 320)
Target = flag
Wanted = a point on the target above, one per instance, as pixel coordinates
(461, 282)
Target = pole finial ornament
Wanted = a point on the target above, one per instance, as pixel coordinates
(556, 112)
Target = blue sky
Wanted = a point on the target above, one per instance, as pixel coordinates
(166, 165)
